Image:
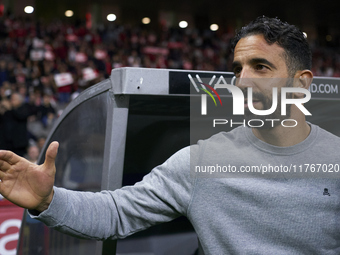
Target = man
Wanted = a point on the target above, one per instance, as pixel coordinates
(15, 125)
(32, 153)
(281, 215)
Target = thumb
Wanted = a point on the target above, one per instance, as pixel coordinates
(51, 154)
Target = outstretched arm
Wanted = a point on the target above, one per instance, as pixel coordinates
(161, 196)
(26, 184)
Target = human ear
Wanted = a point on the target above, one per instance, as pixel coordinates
(302, 79)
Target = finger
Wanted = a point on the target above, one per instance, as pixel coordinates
(4, 166)
(9, 157)
(51, 154)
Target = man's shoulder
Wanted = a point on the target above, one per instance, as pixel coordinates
(326, 137)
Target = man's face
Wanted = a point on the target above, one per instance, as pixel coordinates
(260, 66)
(16, 101)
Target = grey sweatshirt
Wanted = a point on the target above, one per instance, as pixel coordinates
(247, 213)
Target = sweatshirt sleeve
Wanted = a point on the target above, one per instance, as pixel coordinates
(162, 195)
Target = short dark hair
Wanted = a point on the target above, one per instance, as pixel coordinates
(298, 54)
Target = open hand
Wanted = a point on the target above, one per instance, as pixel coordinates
(26, 184)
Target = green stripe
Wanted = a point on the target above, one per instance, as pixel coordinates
(210, 95)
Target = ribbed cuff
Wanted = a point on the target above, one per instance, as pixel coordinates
(54, 214)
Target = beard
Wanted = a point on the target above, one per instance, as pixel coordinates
(267, 102)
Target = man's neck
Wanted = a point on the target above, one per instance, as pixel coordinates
(284, 136)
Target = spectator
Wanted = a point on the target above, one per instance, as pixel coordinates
(41, 141)
(46, 112)
(32, 153)
(4, 107)
(15, 124)
(3, 72)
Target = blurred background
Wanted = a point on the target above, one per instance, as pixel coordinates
(51, 51)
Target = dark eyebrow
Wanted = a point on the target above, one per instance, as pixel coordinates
(255, 61)
(235, 64)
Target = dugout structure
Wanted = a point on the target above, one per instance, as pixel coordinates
(116, 131)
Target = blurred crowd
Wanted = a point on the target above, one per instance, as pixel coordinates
(43, 66)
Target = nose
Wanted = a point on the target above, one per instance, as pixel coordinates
(245, 72)
(244, 79)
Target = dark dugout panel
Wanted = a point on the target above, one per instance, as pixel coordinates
(158, 126)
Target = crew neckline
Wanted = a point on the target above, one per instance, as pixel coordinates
(290, 150)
